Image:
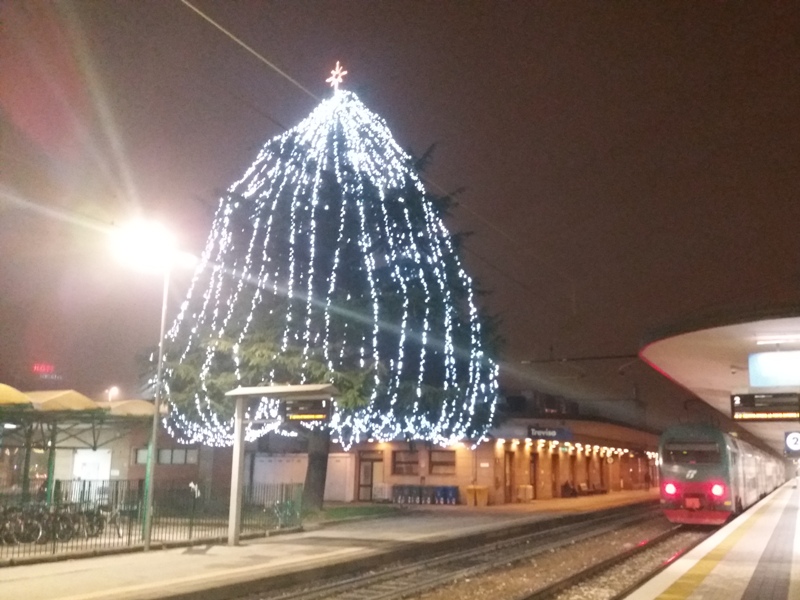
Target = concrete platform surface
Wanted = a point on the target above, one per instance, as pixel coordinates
(218, 572)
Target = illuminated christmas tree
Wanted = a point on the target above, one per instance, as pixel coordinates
(329, 262)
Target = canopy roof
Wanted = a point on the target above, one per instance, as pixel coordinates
(51, 400)
(300, 391)
(68, 402)
(68, 417)
(10, 396)
(130, 408)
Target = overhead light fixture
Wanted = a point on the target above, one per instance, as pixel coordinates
(774, 369)
(779, 339)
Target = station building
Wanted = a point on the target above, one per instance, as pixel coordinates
(525, 458)
(520, 461)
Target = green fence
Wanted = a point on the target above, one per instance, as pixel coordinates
(89, 516)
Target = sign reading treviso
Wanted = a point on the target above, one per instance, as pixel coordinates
(561, 434)
(765, 407)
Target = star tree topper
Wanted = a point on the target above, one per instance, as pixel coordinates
(336, 77)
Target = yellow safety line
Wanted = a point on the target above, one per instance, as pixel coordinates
(690, 580)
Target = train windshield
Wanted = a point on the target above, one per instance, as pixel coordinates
(691, 453)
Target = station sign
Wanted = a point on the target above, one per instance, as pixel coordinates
(765, 407)
(45, 370)
(791, 446)
(561, 434)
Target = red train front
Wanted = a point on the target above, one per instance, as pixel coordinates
(696, 502)
(696, 475)
(708, 475)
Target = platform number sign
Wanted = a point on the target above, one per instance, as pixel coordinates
(792, 445)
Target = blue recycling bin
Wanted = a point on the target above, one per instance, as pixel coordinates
(451, 494)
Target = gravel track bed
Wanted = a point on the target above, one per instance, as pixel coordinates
(544, 569)
(620, 578)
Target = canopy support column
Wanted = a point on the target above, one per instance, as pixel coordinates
(51, 462)
(237, 474)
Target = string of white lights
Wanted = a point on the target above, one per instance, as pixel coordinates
(334, 221)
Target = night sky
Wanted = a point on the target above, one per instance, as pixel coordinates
(625, 165)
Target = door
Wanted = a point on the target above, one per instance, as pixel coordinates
(370, 474)
(535, 474)
(508, 475)
(92, 465)
(341, 473)
(91, 472)
(555, 475)
(573, 470)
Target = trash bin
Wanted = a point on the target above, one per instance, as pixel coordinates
(413, 494)
(524, 493)
(398, 494)
(427, 494)
(477, 495)
(451, 494)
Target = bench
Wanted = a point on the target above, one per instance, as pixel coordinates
(585, 490)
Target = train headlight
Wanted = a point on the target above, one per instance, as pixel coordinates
(670, 489)
(718, 490)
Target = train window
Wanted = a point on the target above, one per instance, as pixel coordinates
(691, 453)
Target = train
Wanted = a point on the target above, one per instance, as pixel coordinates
(708, 476)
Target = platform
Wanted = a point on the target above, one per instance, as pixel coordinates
(754, 557)
(217, 572)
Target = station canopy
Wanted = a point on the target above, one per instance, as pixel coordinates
(66, 416)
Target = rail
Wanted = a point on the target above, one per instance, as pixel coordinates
(424, 573)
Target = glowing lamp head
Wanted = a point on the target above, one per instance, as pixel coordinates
(670, 489)
(717, 490)
(145, 244)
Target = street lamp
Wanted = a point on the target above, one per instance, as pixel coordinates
(150, 246)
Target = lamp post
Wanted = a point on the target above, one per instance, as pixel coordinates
(150, 246)
(112, 393)
(153, 446)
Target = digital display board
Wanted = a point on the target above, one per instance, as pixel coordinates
(306, 410)
(765, 407)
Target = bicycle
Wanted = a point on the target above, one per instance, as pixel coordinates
(112, 517)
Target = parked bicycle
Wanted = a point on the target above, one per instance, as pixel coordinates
(112, 517)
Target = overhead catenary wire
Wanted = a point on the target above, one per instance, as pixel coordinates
(251, 50)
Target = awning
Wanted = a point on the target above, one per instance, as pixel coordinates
(50, 400)
(295, 392)
(10, 396)
(129, 408)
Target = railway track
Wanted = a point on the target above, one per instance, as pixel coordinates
(616, 577)
(416, 577)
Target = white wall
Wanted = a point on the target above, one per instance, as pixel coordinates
(291, 468)
(340, 482)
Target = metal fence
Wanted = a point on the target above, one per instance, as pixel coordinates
(96, 516)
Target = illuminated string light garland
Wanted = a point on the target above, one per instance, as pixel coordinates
(330, 234)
